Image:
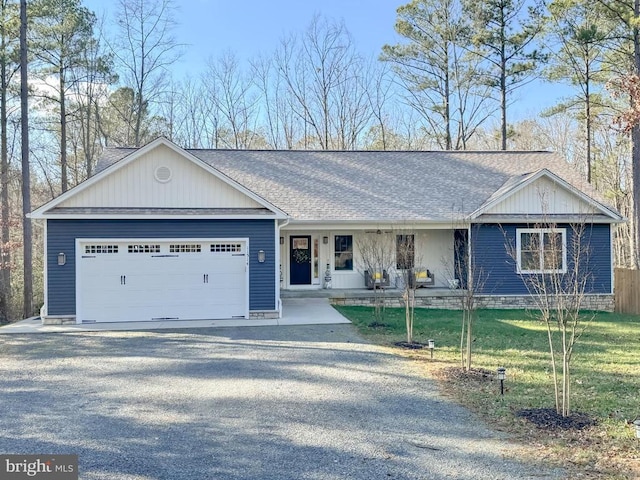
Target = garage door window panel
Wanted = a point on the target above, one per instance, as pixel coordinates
(226, 247)
(100, 249)
(144, 248)
(185, 248)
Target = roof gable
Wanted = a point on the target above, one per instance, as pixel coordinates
(158, 176)
(542, 193)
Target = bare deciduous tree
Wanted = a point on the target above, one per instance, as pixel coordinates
(325, 85)
(231, 94)
(144, 51)
(405, 265)
(553, 262)
(470, 278)
(377, 255)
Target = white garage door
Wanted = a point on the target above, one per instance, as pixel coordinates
(120, 281)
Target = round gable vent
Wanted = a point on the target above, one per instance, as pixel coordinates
(163, 174)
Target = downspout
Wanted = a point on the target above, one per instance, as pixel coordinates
(279, 265)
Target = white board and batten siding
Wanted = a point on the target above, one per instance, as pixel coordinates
(542, 197)
(121, 280)
(161, 178)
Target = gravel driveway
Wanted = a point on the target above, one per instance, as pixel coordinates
(306, 402)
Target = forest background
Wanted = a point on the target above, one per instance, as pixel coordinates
(559, 75)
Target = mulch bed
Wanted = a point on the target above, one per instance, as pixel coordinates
(475, 374)
(378, 325)
(549, 419)
(542, 418)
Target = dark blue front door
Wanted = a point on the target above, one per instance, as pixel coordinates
(300, 261)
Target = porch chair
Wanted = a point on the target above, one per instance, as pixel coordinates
(424, 278)
(376, 280)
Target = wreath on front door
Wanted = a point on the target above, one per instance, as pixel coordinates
(301, 256)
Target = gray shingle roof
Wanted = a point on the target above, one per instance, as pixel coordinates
(377, 186)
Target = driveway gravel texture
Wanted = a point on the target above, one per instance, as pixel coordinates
(301, 402)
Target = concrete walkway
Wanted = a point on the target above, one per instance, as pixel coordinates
(295, 311)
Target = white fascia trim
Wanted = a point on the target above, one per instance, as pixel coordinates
(45, 272)
(555, 178)
(39, 212)
(154, 217)
(612, 258)
(373, 225)
(530, 218)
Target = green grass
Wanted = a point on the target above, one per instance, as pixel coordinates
(605, 375)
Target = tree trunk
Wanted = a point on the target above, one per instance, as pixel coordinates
(462, 337)
(447, 106)
(469, 339)
(635, 147)
(27, 236)
(88, 144)
(503, 85)
(554, 372)
(588, 121)
(5, 251)
(64, 183)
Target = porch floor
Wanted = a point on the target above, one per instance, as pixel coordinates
(365, 293)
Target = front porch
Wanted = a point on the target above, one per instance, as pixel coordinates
(425, 297)
(346, 258)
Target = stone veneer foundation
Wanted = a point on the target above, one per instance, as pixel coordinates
(604, 303)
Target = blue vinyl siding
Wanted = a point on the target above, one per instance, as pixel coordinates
(62, 234)
(494, 260)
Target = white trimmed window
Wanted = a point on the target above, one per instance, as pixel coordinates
(541, 250)
(343, 259)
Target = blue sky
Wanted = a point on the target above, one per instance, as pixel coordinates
(252, 27)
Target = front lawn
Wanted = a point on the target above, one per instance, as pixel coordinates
(605, 378)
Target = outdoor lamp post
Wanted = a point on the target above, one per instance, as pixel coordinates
(432, 345)
(502, 374)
